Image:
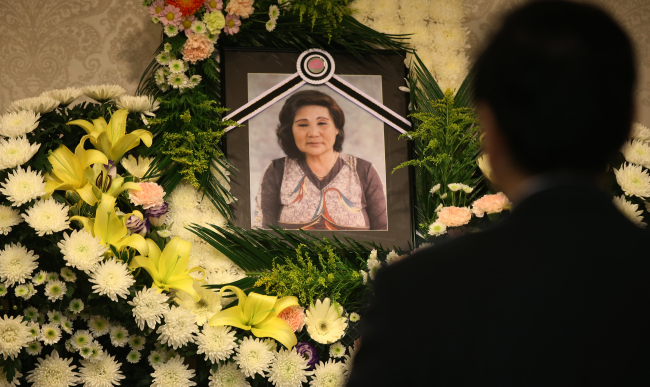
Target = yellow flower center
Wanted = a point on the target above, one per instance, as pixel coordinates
(212, 4)
(170, 16)
(158, 9)
(187, 24)
(231, 23)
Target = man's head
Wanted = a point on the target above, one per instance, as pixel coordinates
(555, 89)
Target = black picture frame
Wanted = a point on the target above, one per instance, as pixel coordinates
(237, 63)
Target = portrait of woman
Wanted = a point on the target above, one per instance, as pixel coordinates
(316, 186)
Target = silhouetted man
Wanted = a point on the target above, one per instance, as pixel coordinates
(557, 294)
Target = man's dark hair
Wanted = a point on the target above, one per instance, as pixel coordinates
(288, 113)
(559, 77)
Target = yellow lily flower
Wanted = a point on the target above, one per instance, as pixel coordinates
(103, 184)
(169, 268)
(112, 230)
(111, 138)
(68, 171)
(259, 314)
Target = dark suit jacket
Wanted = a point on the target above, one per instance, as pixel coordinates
(556, 295)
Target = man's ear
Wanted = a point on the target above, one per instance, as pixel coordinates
(491, 137)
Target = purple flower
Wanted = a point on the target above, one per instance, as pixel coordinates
(308, 352)
(156, 215)
(137, 226)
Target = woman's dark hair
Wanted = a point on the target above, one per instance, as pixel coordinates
(559, 77)
(288, 113)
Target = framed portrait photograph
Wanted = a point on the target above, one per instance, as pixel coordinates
(318, 143)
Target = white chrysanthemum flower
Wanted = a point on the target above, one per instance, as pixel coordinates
(270, 25)
(633, 180)
(364, 276)
(86, 352)
(14, 335)
(136, 343)
(16, 264)
(16, 151)
(172, 374)
(103, 93)
(137, 168)
(148, 307)
(112, 278)
(53, 371)
(289, 369)
(437, 228)
(55, 290)
(119, 336)
(195, 80)
(81, 250)
(354, 317)
(39, 105)
(198, 27)
(68, 275)
(40, 278)
(103, 373)
(330, 374)
(51, 276)
(228, 375)
(133, 357)
(137, 104)
(178, 81)
(205, 308)
(34, 348)
(216, 342)
(637, 152)
(160, 77)
(22, 186)
(435, 188)
(253, 357)
(3, 379)
(50, 334)
(177, 66)
(30, 313)
(81, 338)
(163, 58)
(373, 266)
(155, 358)
(22, 291)
(179, 328)
(99, 325)
(66, 325)
(76, 306)
(630, 210)
(170, 30)
(8, 218)
(640, 132)
(19, 123)
(47, 217)
(337, 350)
(54, 316)
(64, 96)
(324, 323)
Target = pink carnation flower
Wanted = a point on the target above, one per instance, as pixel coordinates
(197, 47)
(232, 24)
(156, 8)
(454, 216)
(241, 8)
(294, 316)
(170, 15)
(213, 5)
(490, 204)
(151, 195)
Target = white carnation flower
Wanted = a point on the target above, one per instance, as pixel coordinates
(137, 104)
(637, 152)
(172, 374)
(103, 93)
(137, 168)
(50, 334)
(253, 357)
(39, 105)
(16, 151)
(8, 218)
(205, 308)
(119, 336)
(47, 217)
(81, 250)
(53, 371)
(228, 376)
(179, 328)
(640, 132)
(633, 180)
(112, 278)
(55, 290)
(19, 123)
(64, 96)
(330, 374)
(630, 210)
(216, 342)
(22, 186)
(148, 307)
(289, 369)
(16, 264)
(14, 335)
(103, 373)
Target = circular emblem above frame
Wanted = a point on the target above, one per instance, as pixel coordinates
(315, 66)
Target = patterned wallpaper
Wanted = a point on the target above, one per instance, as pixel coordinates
(54, 44)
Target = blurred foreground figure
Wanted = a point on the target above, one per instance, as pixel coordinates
(558, 294)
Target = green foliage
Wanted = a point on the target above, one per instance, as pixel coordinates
(310, 278)
(329, 12)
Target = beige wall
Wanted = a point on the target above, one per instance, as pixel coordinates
(59, 43)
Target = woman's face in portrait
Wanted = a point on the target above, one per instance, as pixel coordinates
(314, 130)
